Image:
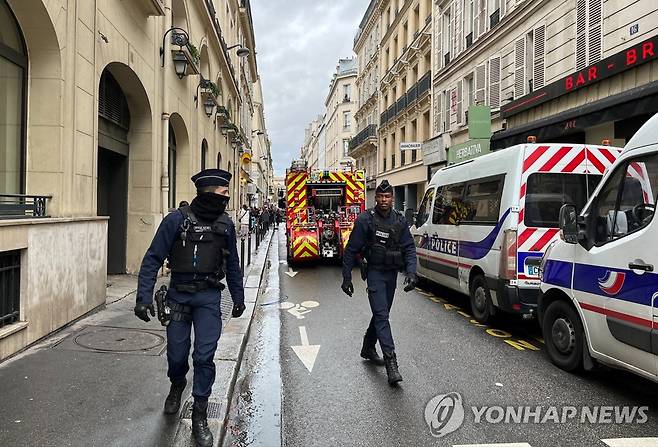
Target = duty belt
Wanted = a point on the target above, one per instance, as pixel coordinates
(192, 286)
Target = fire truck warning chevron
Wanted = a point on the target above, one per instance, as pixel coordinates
(322, 206)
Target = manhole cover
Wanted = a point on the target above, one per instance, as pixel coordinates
(119, 340)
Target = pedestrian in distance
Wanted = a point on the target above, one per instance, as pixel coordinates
(381, 237)
(244, 218)
(199, 242)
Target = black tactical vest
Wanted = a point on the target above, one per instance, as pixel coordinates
(202, 247)
(383, 250)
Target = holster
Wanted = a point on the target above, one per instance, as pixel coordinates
(363, 267)
(164, 313)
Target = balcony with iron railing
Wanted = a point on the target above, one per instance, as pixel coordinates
(368, 132)
(21, 206)
(416, 92)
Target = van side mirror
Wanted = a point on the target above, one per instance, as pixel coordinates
(569, 223)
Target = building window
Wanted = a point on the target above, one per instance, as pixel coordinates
(447, 37)
(10, 278)
(346, 147)
(346, 120)
(13, 66)
(204, 153)
(347, 93)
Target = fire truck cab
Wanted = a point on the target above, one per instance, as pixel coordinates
(322, 206)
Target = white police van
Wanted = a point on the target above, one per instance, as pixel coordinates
(482, 222)
(599, 285)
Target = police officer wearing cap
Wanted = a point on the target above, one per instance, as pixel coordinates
(381, 236)
(199, 242)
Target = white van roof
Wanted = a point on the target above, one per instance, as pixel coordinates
(648, 134)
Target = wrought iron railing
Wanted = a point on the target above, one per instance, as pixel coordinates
(367, 132)
(416, 91)
(21, 206)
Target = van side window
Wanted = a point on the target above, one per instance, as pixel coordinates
(449, 207)
(627, 202)
(424, 209)
(482, 200)
(546, 193)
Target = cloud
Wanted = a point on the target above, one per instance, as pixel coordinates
(298, 45)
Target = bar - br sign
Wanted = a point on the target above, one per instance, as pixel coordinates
(410, 146)
(466, 151)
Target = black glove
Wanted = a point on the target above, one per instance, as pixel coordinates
(347, 286)
(410, 282)
(238, 310)
(142, 311)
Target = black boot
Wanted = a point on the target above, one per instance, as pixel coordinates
(172, 403)
(369, 352)
(200, 430)
(392, 368)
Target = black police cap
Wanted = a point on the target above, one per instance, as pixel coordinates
(211, 177)
(384, 187)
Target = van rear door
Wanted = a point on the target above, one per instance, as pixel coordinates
(552, 176)
(615, 281)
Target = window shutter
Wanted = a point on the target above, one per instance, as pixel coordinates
(519, 68)
(453, 24)
(438, 27)
(437, 113)
(480, 84)
(484, 18)
(453, 107)
(476, 19)
(595, 34)
(494, 82)
(539, 53)
(460, 102)
(459, 27)
(581, 34)
(446, 110)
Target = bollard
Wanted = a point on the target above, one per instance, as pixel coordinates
(249, 249)
(242, 254)
(257, 233)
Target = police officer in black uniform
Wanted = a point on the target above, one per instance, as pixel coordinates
(381, 236)
(199, 242)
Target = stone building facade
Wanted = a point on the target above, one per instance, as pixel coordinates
(110, 107)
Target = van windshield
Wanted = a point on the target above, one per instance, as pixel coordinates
(547, 192)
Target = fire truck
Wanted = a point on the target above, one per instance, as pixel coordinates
(322, 206)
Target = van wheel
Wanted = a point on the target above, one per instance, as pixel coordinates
(563, 335)
(481, 304)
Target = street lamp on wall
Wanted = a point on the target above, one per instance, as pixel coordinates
(209, 102)
(242, 52)
(181, 39)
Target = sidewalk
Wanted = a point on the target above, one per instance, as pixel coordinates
(102, 381)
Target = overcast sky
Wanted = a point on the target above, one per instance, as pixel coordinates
(298, 45)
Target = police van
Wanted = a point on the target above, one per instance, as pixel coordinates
(599, 284)
(482, 222)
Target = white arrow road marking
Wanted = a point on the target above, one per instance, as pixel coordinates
(631, 442)
(306, 353)
(291, 273)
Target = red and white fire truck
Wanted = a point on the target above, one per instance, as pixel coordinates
(322, 206)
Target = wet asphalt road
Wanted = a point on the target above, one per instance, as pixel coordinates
(345, 401)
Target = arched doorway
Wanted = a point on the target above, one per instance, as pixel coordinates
(113, 150)
(13, 76)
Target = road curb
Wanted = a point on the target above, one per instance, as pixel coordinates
(228, 358)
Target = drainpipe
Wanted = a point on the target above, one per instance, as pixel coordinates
(164, 168)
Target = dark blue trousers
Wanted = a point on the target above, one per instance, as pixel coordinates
(207, 322)
(381, 289)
